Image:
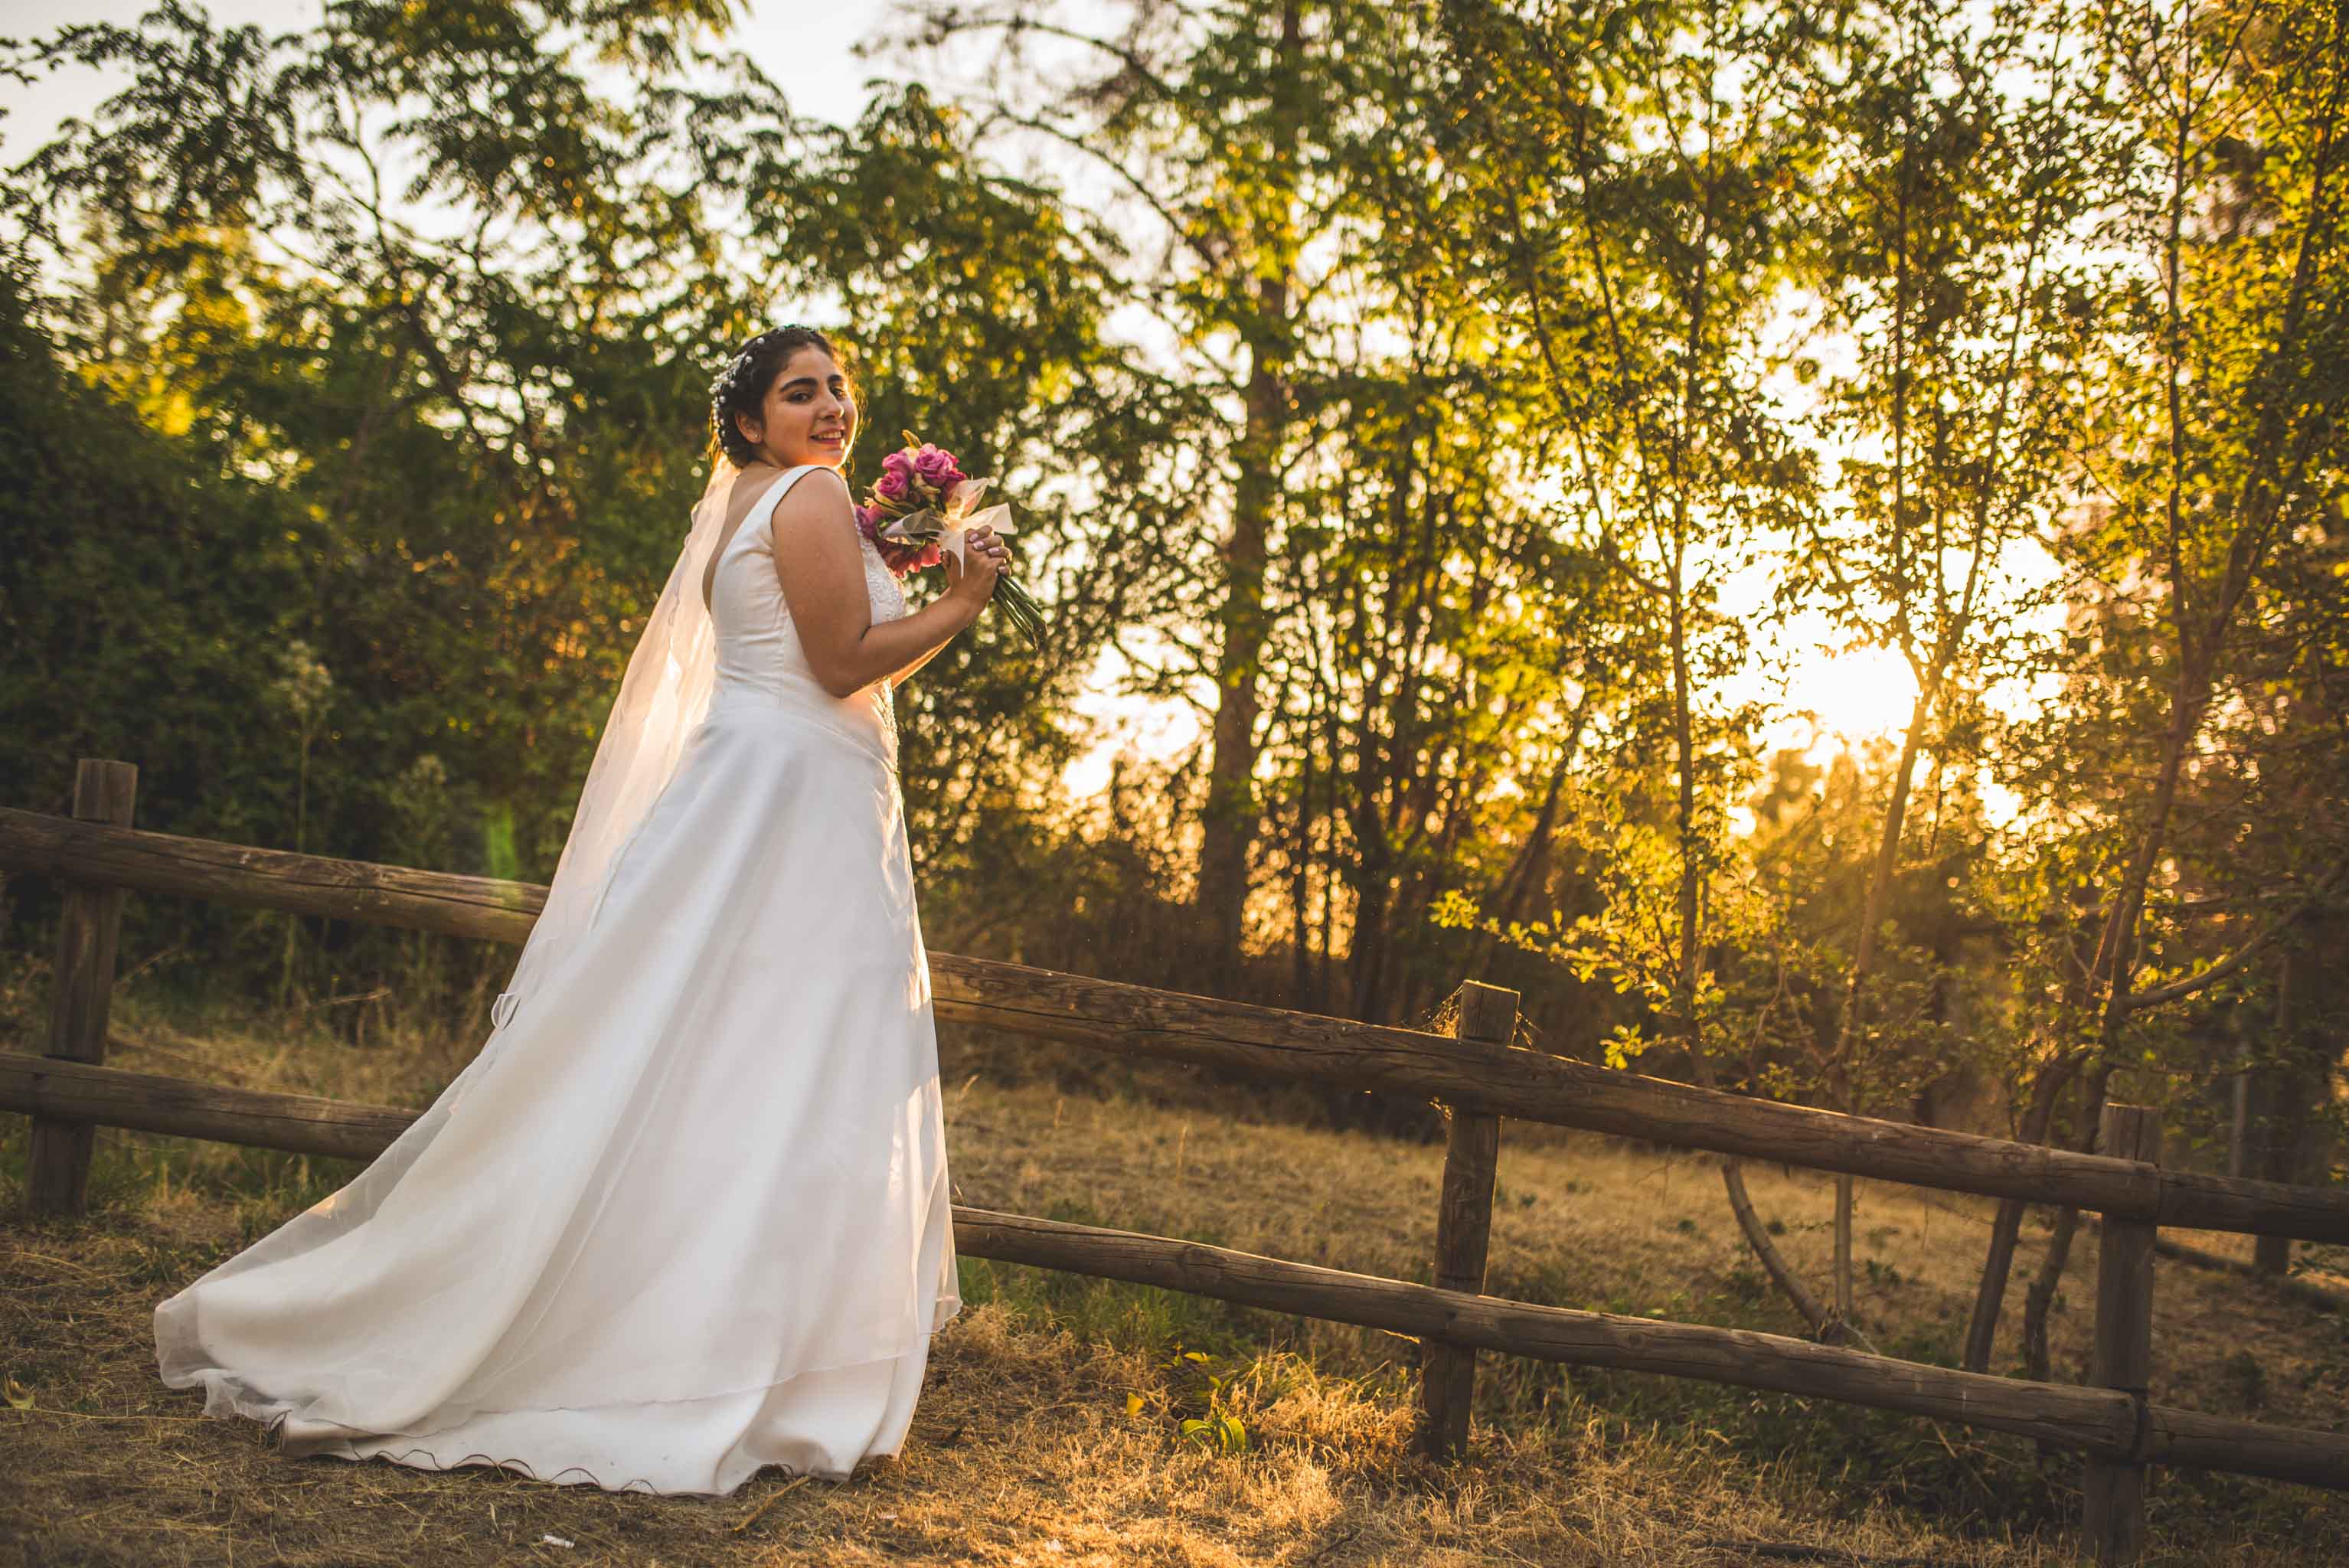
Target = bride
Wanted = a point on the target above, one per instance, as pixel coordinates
(686, 1214)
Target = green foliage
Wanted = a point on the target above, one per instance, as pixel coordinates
(1451, 404)
(1216, 1429)
(144, 598)
(452, 470)
(2245, 1379)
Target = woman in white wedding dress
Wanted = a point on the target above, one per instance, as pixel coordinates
(687, 1213)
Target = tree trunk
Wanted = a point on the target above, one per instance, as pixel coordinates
(2239, 1126)
(1529, 868)
(1366, 961)
(2040, 1300)
(1824, 1325)
(1301, 929)
(2286, 1111)
(1230, 823)
(2006, 1225)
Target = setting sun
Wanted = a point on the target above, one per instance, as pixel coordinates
(1859, 695)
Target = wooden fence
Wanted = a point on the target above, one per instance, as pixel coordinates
(1475, 1071)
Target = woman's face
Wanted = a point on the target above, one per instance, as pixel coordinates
(808, 416)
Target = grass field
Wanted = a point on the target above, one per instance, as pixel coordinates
(1050, 1430)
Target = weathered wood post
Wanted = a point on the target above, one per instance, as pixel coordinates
(88, 925)
(1487, 1017)
(2112, 1523)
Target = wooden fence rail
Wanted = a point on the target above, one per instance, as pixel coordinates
(2102, 1422)
(1271, 1042)
(1474, 1073)
(1532, 1086)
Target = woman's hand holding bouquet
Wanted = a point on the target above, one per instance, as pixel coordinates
(921, 510)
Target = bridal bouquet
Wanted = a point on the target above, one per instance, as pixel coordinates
(917, 512)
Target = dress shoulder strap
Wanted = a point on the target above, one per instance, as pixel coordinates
(762, 510)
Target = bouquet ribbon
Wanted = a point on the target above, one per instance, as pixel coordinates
(951, 536)
(953, 521)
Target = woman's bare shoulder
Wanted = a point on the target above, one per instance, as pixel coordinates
(819, 494)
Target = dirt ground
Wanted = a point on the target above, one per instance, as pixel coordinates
(1049, 1429)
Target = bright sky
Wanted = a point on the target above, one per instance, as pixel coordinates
(803, 45)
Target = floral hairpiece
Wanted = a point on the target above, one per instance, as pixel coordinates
(739, 367)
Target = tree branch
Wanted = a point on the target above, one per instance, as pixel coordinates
(2180, 989)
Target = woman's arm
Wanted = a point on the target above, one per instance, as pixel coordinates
(822, 569)
(898, 679)
(983, 540)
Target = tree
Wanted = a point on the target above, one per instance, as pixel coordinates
(454, 281)
(1232, 133)
(1943, 191)
(1638, 208)
(2217, 380)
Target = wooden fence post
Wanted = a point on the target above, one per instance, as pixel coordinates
(2112, 1523)
(56, 1176)
(1488, 1016)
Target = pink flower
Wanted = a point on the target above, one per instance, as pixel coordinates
(937, 468)
(895, 481)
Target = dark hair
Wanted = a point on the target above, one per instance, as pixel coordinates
(741, 387)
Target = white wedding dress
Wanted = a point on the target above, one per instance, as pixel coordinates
(687, 1213)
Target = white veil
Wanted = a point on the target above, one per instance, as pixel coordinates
(664, 693)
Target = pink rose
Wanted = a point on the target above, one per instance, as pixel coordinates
(937, 468)
(893, 482)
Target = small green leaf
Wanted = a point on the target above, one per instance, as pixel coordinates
(1222, 1433)
(19, 1397)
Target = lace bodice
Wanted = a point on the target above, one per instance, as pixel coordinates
(759, 653)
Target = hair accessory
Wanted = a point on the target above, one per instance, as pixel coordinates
(739, 366)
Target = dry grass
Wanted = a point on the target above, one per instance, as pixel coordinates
(1048, 1434)
(1022, 1452)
